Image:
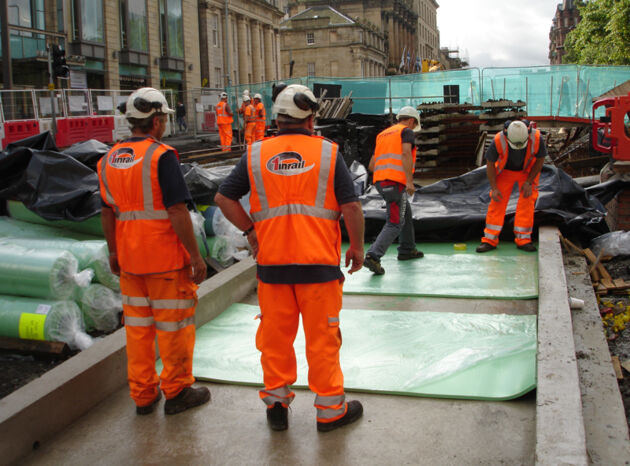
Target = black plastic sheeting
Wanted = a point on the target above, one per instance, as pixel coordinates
(455, 209)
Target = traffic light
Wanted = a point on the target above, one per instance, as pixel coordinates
(59, 67)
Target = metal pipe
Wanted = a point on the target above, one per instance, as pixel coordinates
(51, 87)
(527, 93)
(227, 45)
(7, 72)
(551, 97)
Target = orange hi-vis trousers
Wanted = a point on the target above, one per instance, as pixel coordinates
(250, 129)
(164, 304)
(259, 132)
(524, 218)
(225, 133)
(281, 307)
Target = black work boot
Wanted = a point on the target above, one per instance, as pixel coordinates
(188, 398)
(485, 247)
(374, 265)
(354, 412)
(277, 417)
(148, 409)
(405, 256)
(527, 247)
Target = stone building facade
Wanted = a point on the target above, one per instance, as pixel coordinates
(566, 18)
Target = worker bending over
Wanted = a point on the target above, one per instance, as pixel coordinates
(393, 164)
(261, 118)
(515, 156)
(299, 186)
(225, 117)
(153, 248)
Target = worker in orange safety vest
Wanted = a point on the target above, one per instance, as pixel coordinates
(393, 164)
(515, 156)
(225, 118)
(248, 113)
(299, 187)
(153, 248)
(261, 117)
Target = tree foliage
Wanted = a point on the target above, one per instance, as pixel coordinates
(602, 37)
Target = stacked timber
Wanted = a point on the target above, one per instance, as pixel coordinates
(493, 116)
(446, 142)
(336, 108)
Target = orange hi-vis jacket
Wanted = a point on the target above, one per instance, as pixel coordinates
(501, 143)
(249, 114)
(145, 239)
(388, 163)
(293, 201)
(222, 116)
(261, 114)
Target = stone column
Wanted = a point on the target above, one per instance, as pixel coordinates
(241, 50)
(111, 16)
(269, 59)
(155, 46)
(257, 65)
(191, 76)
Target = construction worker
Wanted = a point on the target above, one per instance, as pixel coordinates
(393, 164)
(153, 248)
(299, 186)
(225, 118)
(248, 112)
(516, 155)
(261, 117)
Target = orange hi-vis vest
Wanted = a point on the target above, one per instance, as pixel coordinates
(388, 163)
(292, 201)
(249, 114)
(261, 114)
(145, 239)
(223, 118)
(501, 143)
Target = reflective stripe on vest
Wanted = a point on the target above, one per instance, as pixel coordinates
(329, 407)
(282, 395)
(501, 144)
(317, 210)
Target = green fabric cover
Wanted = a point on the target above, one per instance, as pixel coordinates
(476, 356)
(505, 273)
(91, 226)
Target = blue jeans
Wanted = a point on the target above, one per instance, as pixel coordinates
(399, 222)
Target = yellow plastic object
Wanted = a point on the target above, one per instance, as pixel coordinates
(459, 246)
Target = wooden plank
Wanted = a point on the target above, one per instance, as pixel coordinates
(617, 366)
(34, 347)
(608, 283)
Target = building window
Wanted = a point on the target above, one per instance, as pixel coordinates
(171, 28)
(215, 30)
(310, 38)
(87, 18)
(218, 78)
(310, 69)
(133, 25)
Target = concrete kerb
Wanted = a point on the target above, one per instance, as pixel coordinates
(45, 406)
(560, 434)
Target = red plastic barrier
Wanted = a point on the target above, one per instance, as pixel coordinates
(102, 128)
(17, 130)
(72, 130)
(209, 121)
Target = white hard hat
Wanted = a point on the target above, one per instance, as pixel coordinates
(257, 96)
(409, 112)
(223, 95)
(146, 101)
(246, 92)
(296, 101)
(246, 98)
(517, 135)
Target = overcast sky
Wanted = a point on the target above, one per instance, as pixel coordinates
(497, 32)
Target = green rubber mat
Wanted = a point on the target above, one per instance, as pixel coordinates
(505, 273)
(446, 355)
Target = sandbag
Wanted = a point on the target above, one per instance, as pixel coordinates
(35, 319)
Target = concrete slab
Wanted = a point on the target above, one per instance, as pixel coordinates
(560, 437)
(605, 422)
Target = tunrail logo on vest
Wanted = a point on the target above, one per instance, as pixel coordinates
(288, 164)
(124, 157)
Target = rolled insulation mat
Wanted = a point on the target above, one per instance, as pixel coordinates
(91, 226)
(36, 319)
(101, 307)
(49, 273)
(90, 254)
(219, 248)
(12, 227)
